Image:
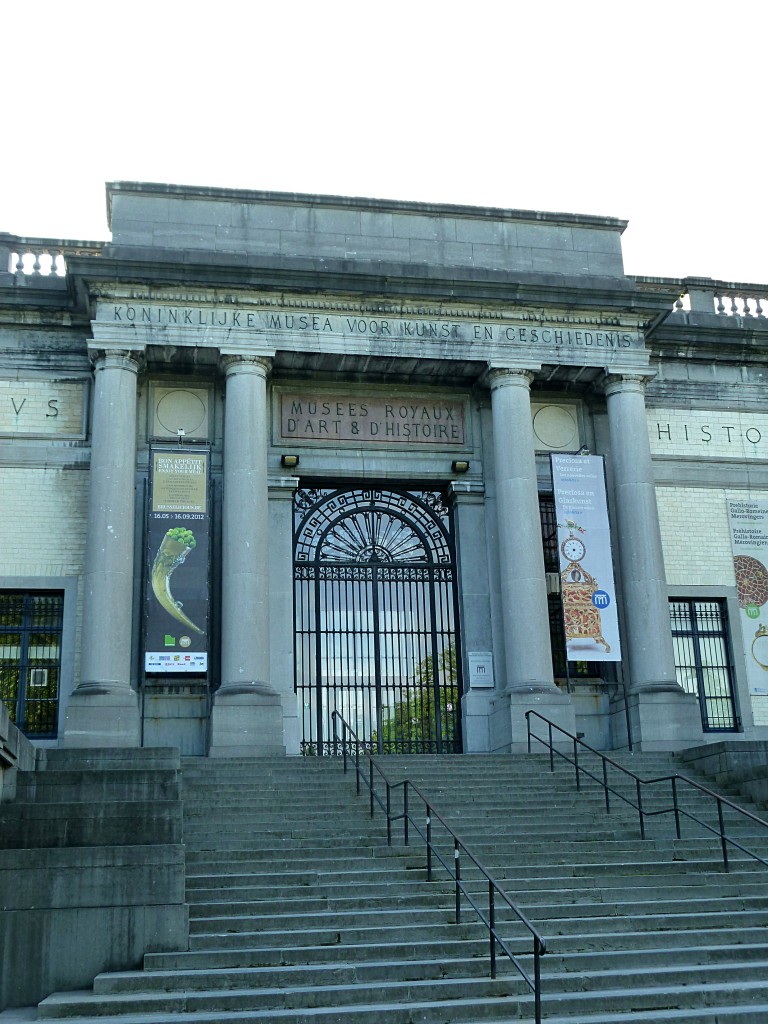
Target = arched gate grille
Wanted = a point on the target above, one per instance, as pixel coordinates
(375, 619)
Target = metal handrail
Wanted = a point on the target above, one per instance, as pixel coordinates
(675, 808)
(454, 871)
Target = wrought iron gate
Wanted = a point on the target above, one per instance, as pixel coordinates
(375, 619)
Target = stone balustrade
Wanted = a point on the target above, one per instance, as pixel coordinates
(46, 257)
(706, 295)
(41, 257)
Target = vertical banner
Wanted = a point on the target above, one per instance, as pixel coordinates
(586, 567)
(749, 543)
(178, 546)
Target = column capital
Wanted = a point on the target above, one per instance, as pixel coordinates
(234, 363)
(130, 359)
(510, 376)
(632, 381)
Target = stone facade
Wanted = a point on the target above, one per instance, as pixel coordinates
(305, 343)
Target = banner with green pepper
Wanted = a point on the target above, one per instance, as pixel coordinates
(178, 545)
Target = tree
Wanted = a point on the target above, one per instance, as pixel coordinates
(412, 723)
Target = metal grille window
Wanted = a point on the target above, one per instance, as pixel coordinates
(703, 660)
(30, 659)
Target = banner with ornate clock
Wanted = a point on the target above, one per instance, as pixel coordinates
(586, 567)
(748, 518)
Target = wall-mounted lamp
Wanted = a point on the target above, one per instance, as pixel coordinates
(460, 466)
(583, 450)
(289, 461)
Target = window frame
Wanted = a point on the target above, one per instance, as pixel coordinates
(67, 587)
(696, 635)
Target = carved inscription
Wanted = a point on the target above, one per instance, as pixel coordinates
(40, 408)
(547, 333)
(373, 419)
(709, 434)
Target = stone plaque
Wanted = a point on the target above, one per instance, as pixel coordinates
(427, 420)
(480, 665)
(42, 408)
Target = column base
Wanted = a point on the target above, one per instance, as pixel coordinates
(662, 718)
(100, 716)
(247, 722)
(509, 728)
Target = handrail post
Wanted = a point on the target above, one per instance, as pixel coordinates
(536, 981)
(605, 787)
(457, 864)
(389, 816)
(639, 791)
(370, 781)
(528, 725)
(357, 767)
(676, 806)
(343, 743)
(429, 843)
(576, 762)
(551, 749)
(492, 925)
(723, 841)
(405, 813)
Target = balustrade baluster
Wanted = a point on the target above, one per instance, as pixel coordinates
(720, 303)
(734, 307)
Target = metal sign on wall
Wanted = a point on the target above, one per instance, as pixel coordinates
(178, 548)
(586, 567)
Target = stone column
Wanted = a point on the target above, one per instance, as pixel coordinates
(664, 716)
(104, 709)
(247, 713)
(524, 611)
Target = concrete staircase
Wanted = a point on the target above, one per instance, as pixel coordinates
(300, 913)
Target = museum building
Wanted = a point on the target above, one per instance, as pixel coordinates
(265, 457)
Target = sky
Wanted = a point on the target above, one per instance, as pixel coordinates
(651, 113)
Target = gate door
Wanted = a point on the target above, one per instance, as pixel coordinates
(375, 619)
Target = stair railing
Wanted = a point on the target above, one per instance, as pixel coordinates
(350, 747)
(571, 755)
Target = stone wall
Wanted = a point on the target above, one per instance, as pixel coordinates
(91, 869)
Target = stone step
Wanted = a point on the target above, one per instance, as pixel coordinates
(403, 1005)
(449, 950)
(272, 893)
(354, 981)
(539, 905)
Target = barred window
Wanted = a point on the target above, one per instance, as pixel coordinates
(703, 660)
(30, 659)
